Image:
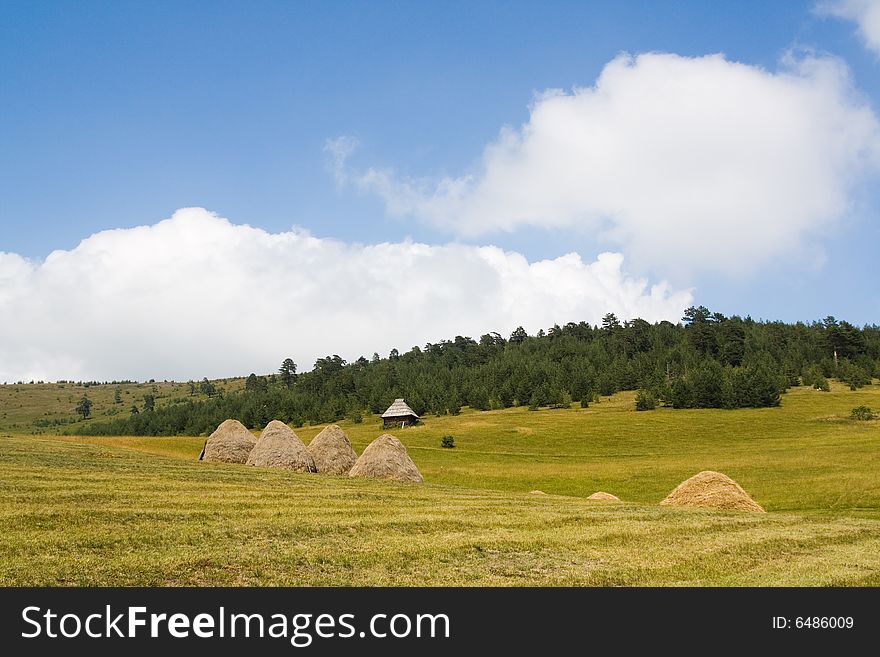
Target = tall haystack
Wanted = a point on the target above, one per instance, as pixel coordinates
(231, 442)
(386, 458)
(712, 490)
(331, 450)
(279, 447)
(600, 496)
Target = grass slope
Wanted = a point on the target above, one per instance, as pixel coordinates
(805, 456)
(41, 408)
(94, 515)
(132, 511)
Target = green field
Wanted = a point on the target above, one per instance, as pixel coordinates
(130, 511)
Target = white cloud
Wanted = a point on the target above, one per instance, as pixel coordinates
(689, 163)
(865, 13)
(195, 296)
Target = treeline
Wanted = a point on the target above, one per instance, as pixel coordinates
(706, 361)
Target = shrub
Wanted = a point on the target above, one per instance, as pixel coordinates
(607, 384)
(853, 375)
(559, 399)
(706, 384)
(585, 401)
(535, 402)
(479, 398)
(645, 401)
(862, 413)
(756, 386)
(815, 378)
(447, 442)
(681, 394)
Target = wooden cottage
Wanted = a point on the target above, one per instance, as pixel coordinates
(399, 414)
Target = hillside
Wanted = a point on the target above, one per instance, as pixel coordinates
(805, 456)
(40, 408)
(143, 511)
(708, 361)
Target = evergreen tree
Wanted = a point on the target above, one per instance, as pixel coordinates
(454, 406)
(287, 372)
(681, 394)
(256, 383)
(610, 323)
(535, 401)
(84, 407)
(732, 337)
(706, 383)
(479, 398)
(519, 335)
(207, 388)
(645, 401)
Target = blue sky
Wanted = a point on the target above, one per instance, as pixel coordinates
(116, 114)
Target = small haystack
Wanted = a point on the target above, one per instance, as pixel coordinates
(279, 447)
(537, 492)
(386, 458)
(600, 496)
(231, 442)
(332, 452)
(712, 490)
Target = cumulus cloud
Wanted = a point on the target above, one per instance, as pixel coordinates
(196, 295)
(865, 14)
(690, 164)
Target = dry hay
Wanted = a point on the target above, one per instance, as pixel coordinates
(231, 442)
(279, 447)
(537, 492)
(386, 458)
(600, 496)
(712, 490)
(332, 452)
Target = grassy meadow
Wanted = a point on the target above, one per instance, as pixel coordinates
(46, 408)
(143, 511)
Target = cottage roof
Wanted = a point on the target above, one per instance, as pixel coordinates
(399, 409)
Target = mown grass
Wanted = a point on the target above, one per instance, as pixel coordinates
(142, 511)
(95, 515)
(805, 456)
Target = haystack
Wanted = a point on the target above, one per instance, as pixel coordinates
(279, 447)
(332, 452)
(600, 496)
(386, 458)
(712, 490)
(537, 492)
(231, 442)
